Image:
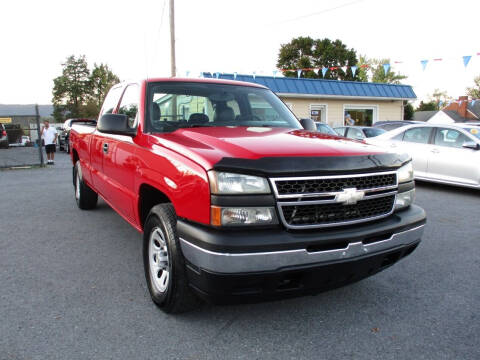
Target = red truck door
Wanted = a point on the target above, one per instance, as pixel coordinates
(119, 161)
(98, 140)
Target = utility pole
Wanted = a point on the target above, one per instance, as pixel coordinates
(172, 39)
(39, 136)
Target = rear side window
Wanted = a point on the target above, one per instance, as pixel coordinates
(372, 132)
(355, 134)
(111, 101)
(420, 135)
(450, 138)
(129, 104)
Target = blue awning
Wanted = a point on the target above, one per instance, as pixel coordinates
(326, 88)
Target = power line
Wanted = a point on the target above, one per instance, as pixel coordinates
(318, 12)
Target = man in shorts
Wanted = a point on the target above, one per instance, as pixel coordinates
(49, 135)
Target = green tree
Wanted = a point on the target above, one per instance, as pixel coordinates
(474, 91)
(378, 74)
(408, 111)
(307, 53)
(427, 106)
(439, 96)
(70, 90)
(101, 80)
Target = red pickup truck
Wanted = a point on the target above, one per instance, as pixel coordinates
(235, 199)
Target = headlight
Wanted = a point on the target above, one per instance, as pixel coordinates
(404, 199)
(405, 173)
(228, 184)
(234, 216)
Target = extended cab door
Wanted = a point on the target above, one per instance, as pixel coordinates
(119, 162)
(98, 139)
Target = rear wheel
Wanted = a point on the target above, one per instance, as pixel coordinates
(164, 262)
(85, 197)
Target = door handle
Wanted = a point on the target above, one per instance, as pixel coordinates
(435, 151)
(105, 148)
(393, 145)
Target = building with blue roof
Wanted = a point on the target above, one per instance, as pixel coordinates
(330, 101)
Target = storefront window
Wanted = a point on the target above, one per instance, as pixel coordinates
(361, 117)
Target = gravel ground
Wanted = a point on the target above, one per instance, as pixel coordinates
(72, 287)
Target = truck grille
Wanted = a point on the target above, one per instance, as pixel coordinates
(322, 201)
(325, 214)
(301, 186)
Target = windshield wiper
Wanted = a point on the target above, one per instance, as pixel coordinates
(195, 126)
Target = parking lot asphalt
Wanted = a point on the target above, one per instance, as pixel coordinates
(72, 287)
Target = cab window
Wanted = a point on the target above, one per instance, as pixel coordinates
(340, 131)
(129, 104)
(111, 101)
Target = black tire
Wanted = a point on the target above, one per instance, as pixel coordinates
(85, 197)
(177, 297)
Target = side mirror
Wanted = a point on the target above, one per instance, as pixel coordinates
(115, 124)
(471, 145)
(308, 124)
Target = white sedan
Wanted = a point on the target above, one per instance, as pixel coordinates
(448, 154)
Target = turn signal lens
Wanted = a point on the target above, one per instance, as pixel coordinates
(216, 214)
(243, 216)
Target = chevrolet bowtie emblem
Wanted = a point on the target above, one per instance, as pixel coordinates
(349, 196)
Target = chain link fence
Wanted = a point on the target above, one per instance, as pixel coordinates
(22, 145)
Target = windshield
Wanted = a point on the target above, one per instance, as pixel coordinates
(474, 131)
(177, 105)
(325, 129)
(372, 132)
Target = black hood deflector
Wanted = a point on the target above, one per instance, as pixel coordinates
(306, 166)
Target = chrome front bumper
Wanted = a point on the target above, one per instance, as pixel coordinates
(229, 263)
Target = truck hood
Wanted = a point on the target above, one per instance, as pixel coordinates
(222, 146)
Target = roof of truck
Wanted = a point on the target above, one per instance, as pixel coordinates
(203, 80)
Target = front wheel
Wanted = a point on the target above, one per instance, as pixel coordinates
(164, 262)
(85, 197)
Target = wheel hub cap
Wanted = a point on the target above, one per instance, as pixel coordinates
(158, 260)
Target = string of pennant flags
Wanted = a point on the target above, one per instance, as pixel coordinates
(386, 67)
(354, 68)
(459, 102)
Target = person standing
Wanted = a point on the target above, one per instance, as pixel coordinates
(348, 120)
(49, 135)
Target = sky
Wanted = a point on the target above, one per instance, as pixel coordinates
(132, 37)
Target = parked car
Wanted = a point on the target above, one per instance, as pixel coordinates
(3, 137)
(390, 125)
(325, 129)
(236, 201)
(358, 132)
(446, 154)
(25, 140)
(64, 133)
